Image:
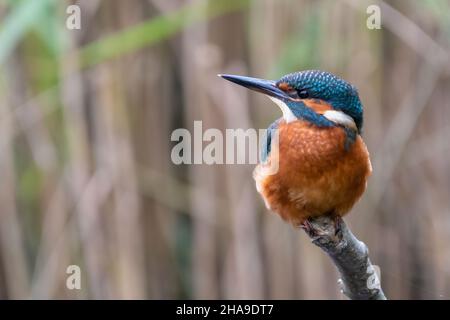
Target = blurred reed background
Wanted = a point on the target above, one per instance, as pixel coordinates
(86, 176)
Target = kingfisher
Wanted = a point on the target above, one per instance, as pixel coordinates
(323, 162)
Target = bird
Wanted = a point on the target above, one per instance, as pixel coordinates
(323, 164)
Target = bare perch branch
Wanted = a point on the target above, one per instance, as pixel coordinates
(359, 280)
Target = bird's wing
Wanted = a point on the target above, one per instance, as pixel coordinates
(267, 140)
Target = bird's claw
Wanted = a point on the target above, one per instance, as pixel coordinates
(308, 228)
(337, 225)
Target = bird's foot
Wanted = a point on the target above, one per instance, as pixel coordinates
(308, 227)
(326, 228)
(337, 225)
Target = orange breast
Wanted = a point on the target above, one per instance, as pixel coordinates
(316, 175)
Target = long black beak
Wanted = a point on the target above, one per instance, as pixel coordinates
(267, 87)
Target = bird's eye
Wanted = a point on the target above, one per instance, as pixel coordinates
(303, 93)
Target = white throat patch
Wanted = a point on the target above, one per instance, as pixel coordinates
(340, 118)
(288, 116)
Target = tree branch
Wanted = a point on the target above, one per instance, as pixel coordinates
(359, 281)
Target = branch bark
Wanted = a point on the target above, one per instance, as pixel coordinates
(359, 281)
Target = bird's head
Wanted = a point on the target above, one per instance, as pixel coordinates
(296, 92)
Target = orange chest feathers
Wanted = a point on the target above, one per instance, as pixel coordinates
(316, 174)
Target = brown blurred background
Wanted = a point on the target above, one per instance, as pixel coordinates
(86, 176)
